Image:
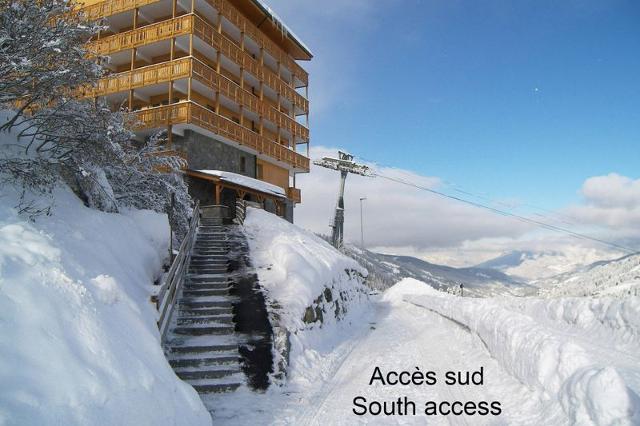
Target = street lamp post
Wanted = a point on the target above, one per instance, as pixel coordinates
(361, 224)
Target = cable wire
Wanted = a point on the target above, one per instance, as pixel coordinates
(510, 214)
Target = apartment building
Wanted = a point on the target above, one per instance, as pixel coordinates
(223, 78)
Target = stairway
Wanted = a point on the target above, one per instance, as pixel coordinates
(202, 347)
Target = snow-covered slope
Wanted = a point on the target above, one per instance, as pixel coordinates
(310, 287)
(619, 278)
(386, 270)
(583, 355)
(531, 266)
(78, 340)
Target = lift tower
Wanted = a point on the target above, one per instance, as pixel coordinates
(345, 165)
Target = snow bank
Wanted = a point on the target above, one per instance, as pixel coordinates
(604, 318)
(295, 266)
(313, 291)
(78, 340)
(540, 356)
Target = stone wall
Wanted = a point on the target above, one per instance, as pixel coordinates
(206, 153)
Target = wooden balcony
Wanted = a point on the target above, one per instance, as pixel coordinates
(188, 24)
(191, 67)
(192, 113)
(106, 8)
(294, 194)
(230, 12)
(142, 36)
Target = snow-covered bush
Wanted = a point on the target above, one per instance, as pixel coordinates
(59, 136)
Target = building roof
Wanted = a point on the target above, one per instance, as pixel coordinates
(244, 181)
(272, 25)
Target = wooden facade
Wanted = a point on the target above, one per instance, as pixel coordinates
(225, 69)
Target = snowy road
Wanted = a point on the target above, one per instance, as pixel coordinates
(544, 365)
(403, 337)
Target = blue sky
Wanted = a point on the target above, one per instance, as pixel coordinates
(519, 100)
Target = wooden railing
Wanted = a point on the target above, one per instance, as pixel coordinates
(193, 24)
(294, 194)
(192, 113)
(111, 7)
(152, 74)
(170, 290)
(143, 35)
(231, 50)
(191, 67)
(236, 18)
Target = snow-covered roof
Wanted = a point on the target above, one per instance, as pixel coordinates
(245, 181)
(280, 23)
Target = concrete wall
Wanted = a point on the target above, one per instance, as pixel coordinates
(206, 153)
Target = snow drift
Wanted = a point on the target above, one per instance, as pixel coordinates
(78, 338)
(542, 356)
(312, 290)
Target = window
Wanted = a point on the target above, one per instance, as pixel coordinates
(243, 165)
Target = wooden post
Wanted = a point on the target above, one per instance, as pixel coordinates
(218, 194)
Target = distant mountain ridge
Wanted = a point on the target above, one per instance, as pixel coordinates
(386, 269)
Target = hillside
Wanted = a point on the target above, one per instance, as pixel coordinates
(531, 266)
(386, 270)
(618, 278)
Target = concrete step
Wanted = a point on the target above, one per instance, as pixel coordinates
(216, 388)
(194, 303)
(205, 319)
(208, 261)
(205, 292)
(209, 271)
(182, 350)
(212, 269)
(205, 361)
(193, 278)
(203, 329)
(206, 374)
(190, 311)
(226, 287)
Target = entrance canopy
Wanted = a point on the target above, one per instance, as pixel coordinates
(241, 185)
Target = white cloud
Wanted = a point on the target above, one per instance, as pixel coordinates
(395, 216)
(403, 220)
(612, 201)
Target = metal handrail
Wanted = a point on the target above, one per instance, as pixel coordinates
(170, 290)
(241, 211)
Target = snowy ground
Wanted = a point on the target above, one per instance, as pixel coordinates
(547, 361)
(79, 343)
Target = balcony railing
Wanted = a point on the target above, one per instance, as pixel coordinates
(192, 113)
(236, 18)
(294, 194)
(192, 24)
(191, 67)
(142, 36)
(111, 7)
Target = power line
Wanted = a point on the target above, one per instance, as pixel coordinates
(550, 214)
(509, 214)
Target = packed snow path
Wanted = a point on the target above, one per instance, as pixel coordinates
(403, 337)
